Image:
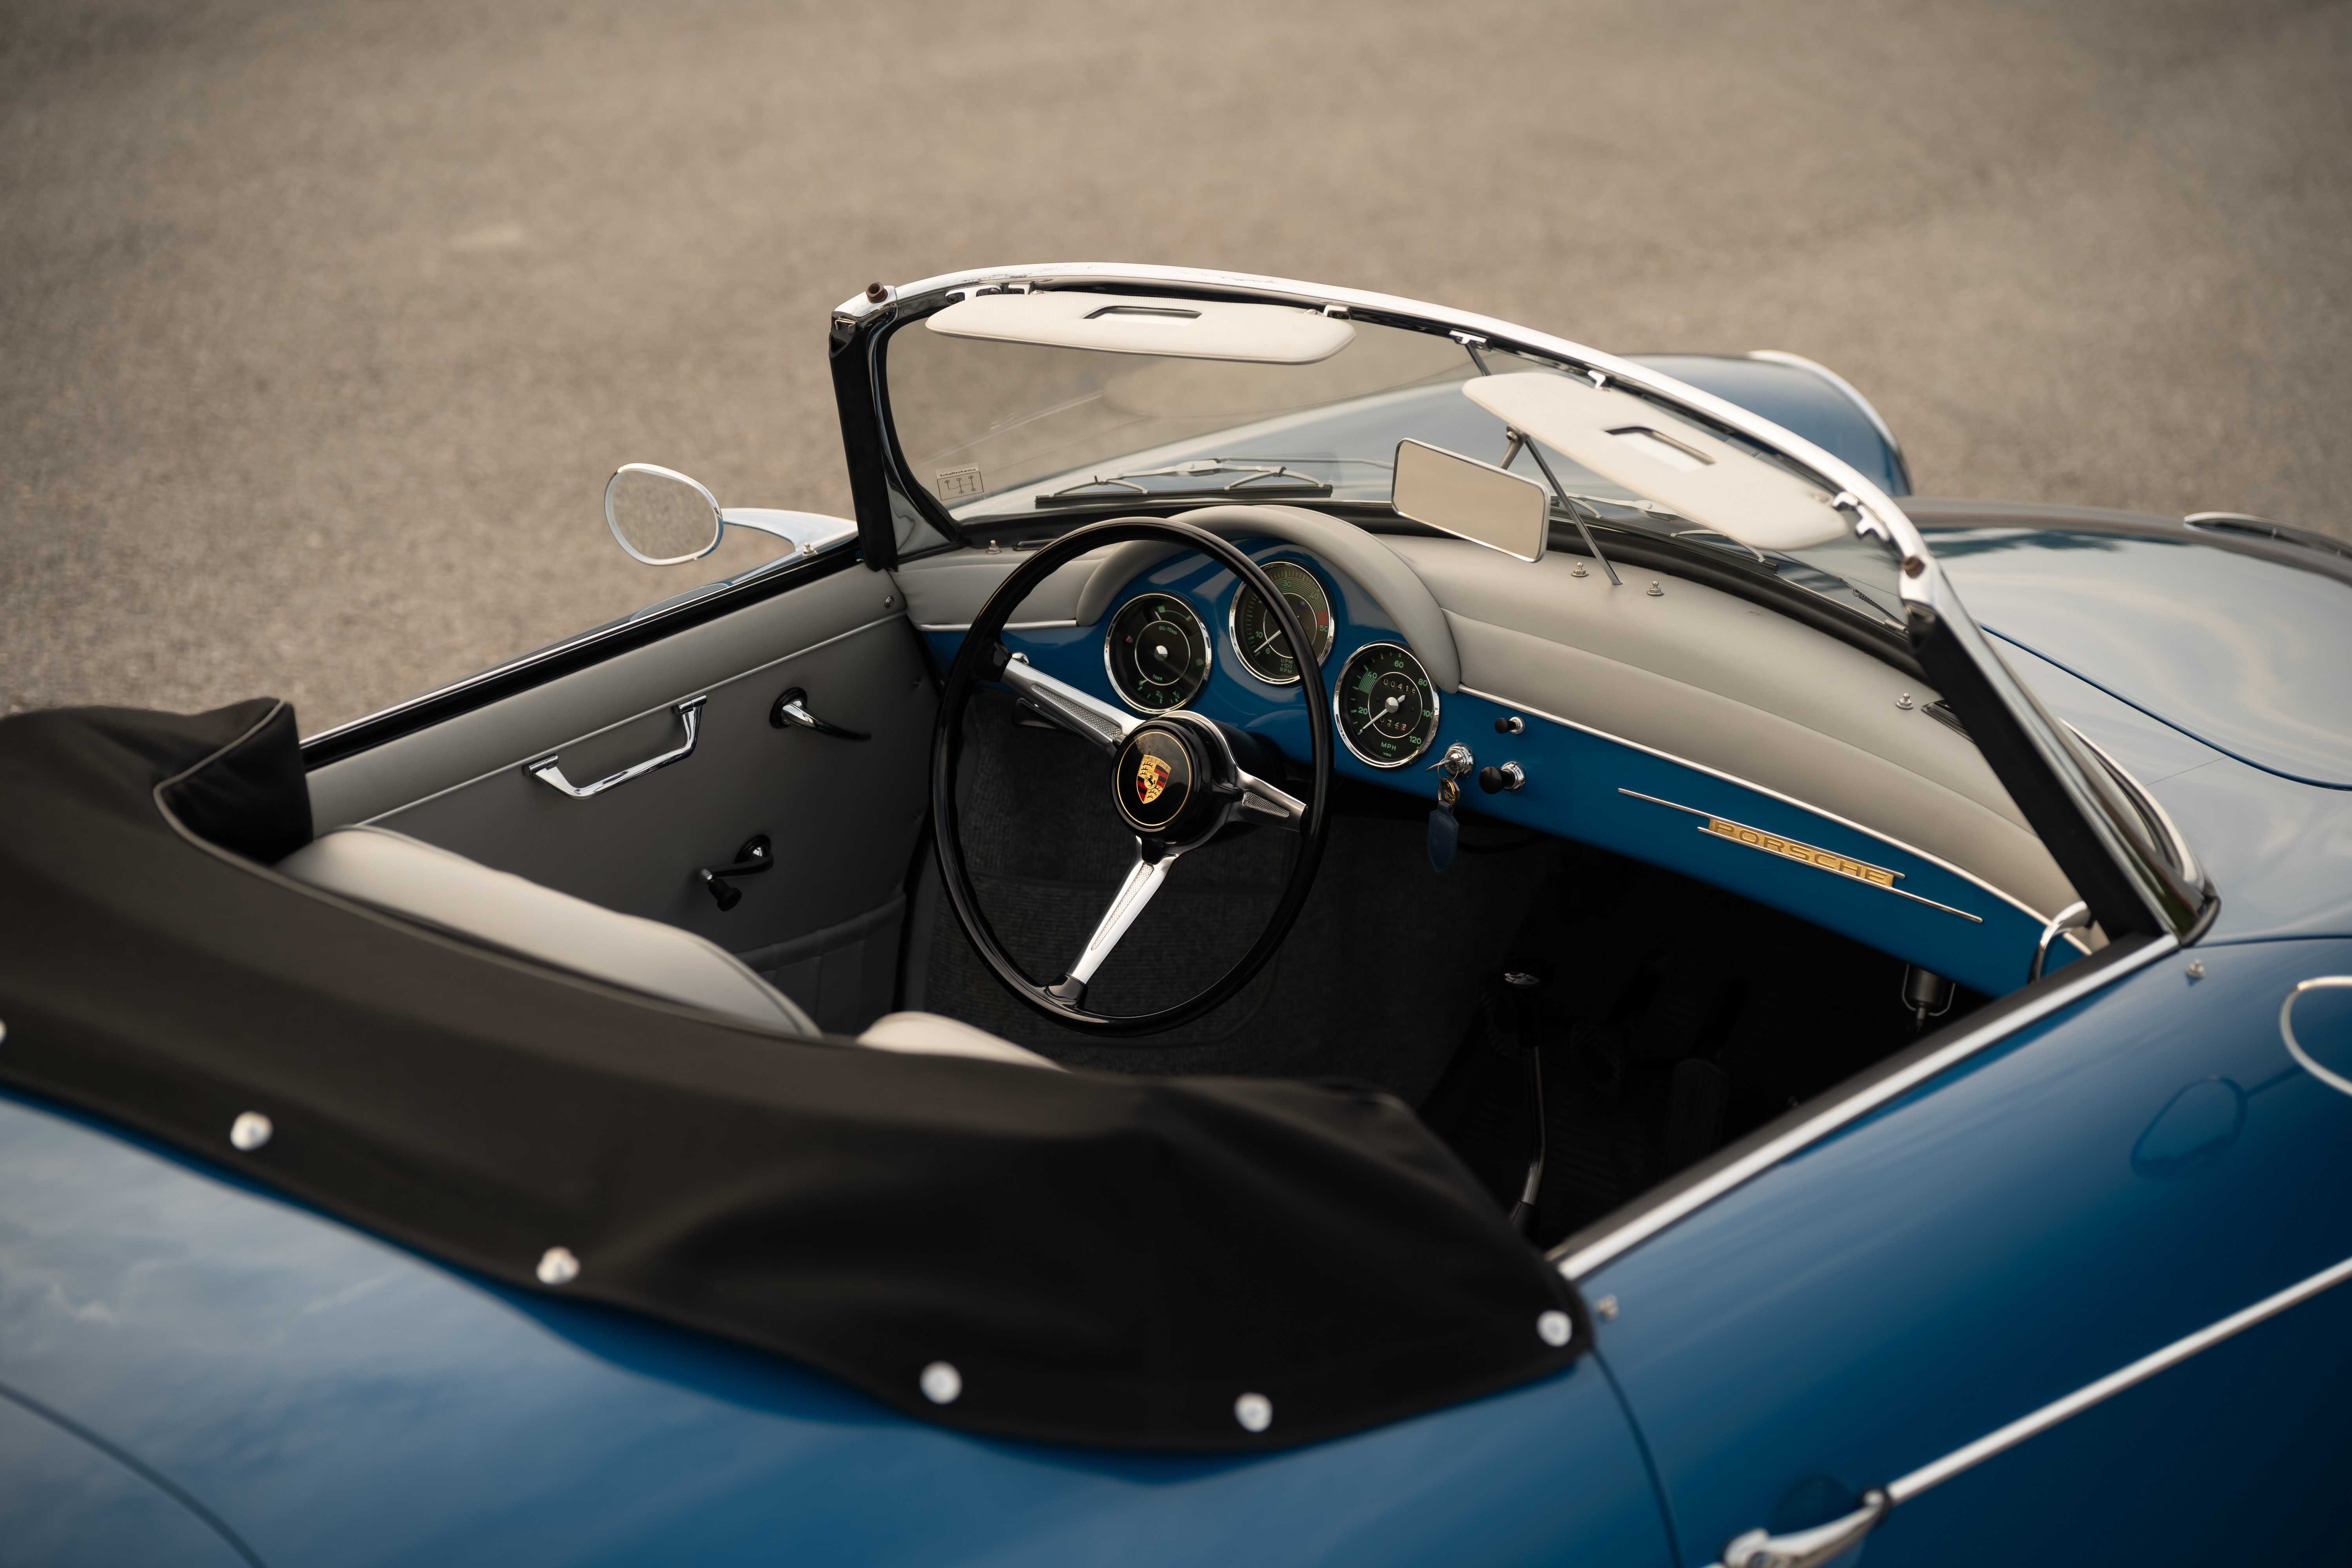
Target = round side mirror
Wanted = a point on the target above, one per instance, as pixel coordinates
(660, 516)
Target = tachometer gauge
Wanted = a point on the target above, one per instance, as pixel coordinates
(1385, 706)
(1156, 652)
(1257, 633)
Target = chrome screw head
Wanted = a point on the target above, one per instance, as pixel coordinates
(250, 1131)
(1607, 1308)
(2195, 969)
(558, 1267)
(1554, 1329)
(1255, 1412)
(941, 1383)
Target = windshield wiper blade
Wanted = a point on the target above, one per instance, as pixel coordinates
(1255, 478)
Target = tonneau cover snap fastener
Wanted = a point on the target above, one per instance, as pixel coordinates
(941, 1383)
(558, 1267)
(251, 1130)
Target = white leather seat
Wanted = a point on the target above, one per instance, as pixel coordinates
(438, 887)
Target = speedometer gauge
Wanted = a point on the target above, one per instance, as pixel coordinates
(1157, 653)
(1385, 706)
(1257, 633)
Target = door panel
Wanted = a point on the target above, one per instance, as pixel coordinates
(844, 817)
(2141, 1166)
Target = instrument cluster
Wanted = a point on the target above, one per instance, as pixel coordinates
(1159, 654)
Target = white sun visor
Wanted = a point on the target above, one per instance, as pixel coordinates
(1133, 324)
(1652, 454)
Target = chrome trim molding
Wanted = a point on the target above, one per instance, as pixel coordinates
(1010, 626)
(2070, 988)
(2334, 1080)
(1715, 825)
(1805, 1548)
(1936, 861)
(2115, 1383)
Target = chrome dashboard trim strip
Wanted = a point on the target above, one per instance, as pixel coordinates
(2036, 916)
(2072, 987)
(1714, 829)
(1010, 626)
(2115, 1383)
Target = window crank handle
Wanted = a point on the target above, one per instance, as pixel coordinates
(756, 856)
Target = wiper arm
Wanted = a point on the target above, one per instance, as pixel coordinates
(1254, 477)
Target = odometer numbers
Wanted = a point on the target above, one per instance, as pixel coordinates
(1157, 653)
(1257, 633)
(1385, 706)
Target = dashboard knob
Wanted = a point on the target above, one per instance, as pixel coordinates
(1513, 725)
(1505, 779)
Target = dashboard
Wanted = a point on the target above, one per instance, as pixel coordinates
(1681, 727)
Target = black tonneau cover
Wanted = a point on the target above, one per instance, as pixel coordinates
(1104, 1259)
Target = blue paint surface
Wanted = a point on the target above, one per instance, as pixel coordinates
(336, 1399)
(2044, 1216)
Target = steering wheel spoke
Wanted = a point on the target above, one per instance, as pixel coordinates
(1081, 713)
(1143, 881)
(1266, 804)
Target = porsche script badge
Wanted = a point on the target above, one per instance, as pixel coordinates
(1150, 778)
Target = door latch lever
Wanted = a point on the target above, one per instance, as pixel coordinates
(792, 707)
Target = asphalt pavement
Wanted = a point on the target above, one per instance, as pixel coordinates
(322, 324)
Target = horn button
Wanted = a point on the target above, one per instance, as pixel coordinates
(1162, 783)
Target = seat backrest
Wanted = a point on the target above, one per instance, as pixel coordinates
(436, 887)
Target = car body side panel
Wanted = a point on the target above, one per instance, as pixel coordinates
(335, 1398)
(66, 1504)
(2242, 652)
(2280, 851)
(2139, 1167)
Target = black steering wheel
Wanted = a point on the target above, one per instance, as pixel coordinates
(1173, 778)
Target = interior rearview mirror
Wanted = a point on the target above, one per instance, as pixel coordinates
(1472, 500)
(660, 516)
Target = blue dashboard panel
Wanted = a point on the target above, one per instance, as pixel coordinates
(333, 1398)
(1592, 788)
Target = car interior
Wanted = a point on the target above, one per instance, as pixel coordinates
(1709, 844)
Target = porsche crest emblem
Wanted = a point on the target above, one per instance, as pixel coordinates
(1150, 778)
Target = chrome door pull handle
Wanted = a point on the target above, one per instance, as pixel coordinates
(689, 713)
(792, 707)
(1806, 1548)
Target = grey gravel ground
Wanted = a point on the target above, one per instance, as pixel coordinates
(324, 323)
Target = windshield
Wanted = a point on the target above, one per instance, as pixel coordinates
(1001, 432)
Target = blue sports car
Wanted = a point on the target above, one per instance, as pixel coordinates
(1331, 931)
